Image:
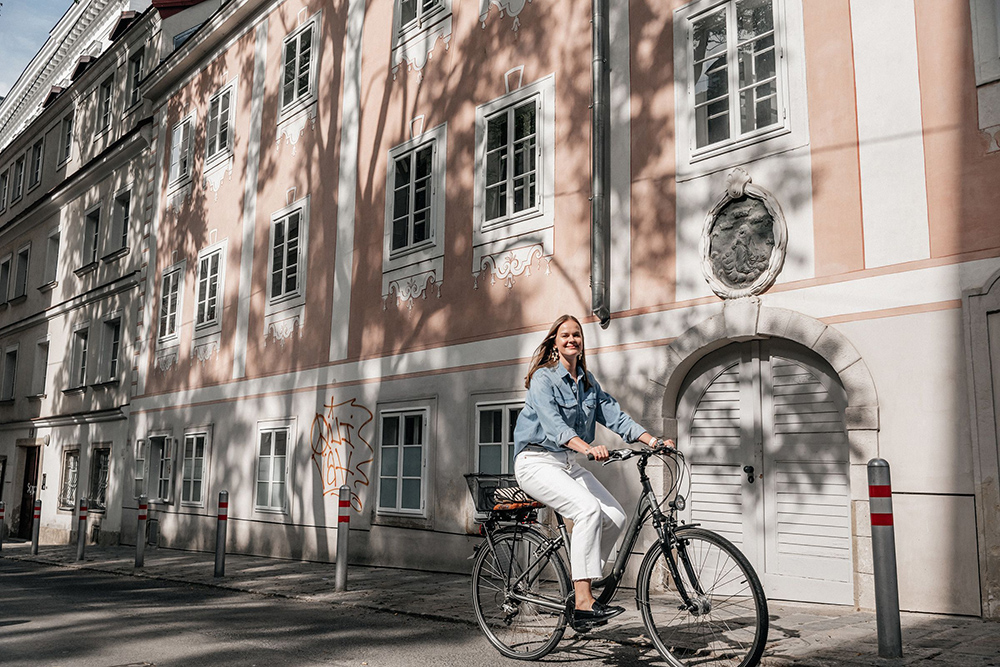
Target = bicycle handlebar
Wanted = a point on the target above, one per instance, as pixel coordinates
(624, 454)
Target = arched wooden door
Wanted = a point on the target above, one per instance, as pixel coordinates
(762, 424)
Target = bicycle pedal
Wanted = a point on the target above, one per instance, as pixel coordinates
(583, 627)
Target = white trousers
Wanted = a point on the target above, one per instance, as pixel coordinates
(556, 479)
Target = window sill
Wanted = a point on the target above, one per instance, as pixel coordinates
(383, 518)
(49, 286)
(36, 397)
(105, 384)
(270, 510)
(32, 187)
(75, 390)
(117, 254)
(179, 183)
(509, 221)
(20, 298)
(86, 268)
(6, 402)
(217, 160)
(306, 104)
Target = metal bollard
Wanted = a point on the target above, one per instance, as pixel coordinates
(1, 524)
(890, 640)
(343, 530)
(81, 531)
(140, 532)
(36, 523)
(220, 534)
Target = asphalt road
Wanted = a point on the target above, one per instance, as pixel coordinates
(57, 616)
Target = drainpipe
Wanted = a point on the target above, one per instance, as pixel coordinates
(600, 203)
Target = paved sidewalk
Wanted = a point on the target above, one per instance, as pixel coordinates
(800, 634)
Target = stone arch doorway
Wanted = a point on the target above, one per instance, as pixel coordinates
(746, 319)
(762, 426)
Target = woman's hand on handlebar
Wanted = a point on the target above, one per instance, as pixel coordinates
(660, 443)
(597, 453)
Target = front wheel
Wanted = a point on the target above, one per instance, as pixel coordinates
(724, 620)
(520, 593)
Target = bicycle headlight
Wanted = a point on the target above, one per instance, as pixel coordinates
(678, 503)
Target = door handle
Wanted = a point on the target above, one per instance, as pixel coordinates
(749, 471)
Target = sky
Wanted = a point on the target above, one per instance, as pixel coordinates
(24, 27)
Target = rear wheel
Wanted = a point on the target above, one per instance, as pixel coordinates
(524, 617)
(726, 622)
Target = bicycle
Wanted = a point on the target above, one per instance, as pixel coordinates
(699, 598)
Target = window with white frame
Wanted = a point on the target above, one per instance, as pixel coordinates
(195, 456)
(5, 274)
(52, 257)
(161, 468)
(286, 258)
(495, 436)
(4, 183)
(100, 469)
(9, 374)
(134, 76)
(79, 351)
(91, 236)
(111, 353)
(17, 188)
(219, 139)
(299, 61)
(122, 217)
(211, 267)
(41, 368)
(35, 170)
(412, 196)
(514, 172)
(402, 438)
(21, 272)
(66, 139)
(180, 152)
(104, 96)
(70, 479)
(274, 442)
(170, 300)
(139, 471)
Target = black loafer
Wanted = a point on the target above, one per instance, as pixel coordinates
(599, 612)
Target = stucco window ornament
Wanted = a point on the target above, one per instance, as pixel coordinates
(215, 174)
(290, 130)
(512, 7)
(508, 265)
(414, 43)
(166, 359)
(204, 350)
(744, 241)
(280, 330)
(410, 287)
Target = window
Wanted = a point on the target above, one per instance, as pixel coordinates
(285, 255)
(139, 474)
(298, 66)
(4, 279)
(192, 489)
(18, 187)
(100, 465)
(272, 471)
(134, 76)
(209, 270)
(78, 377)
(66, 139)
(40, 375)
(52, 257)
(411, 198)
(122, 217)
(219, 138)
(180, 152)
(495, 436)
(70, 479)
(161, 467)
(9, 374)
(21, 272)
(91, 236)
(4, 181)
(35, 173)
(512, 162)
(112, 344)
(104, 104)
(170, 302)
(401, 484)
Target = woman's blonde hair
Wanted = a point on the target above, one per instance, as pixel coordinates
(546, 354)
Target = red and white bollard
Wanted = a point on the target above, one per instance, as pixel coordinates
(1, 524)
(220, 534)
(890, 640)
(140, 532)
(35, 525)
(343, 529)
(81, 531)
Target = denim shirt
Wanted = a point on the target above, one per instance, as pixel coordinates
(557, 408)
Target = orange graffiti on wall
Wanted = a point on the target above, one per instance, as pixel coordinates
(339, 449)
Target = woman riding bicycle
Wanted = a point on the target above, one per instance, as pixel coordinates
(564, 401)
